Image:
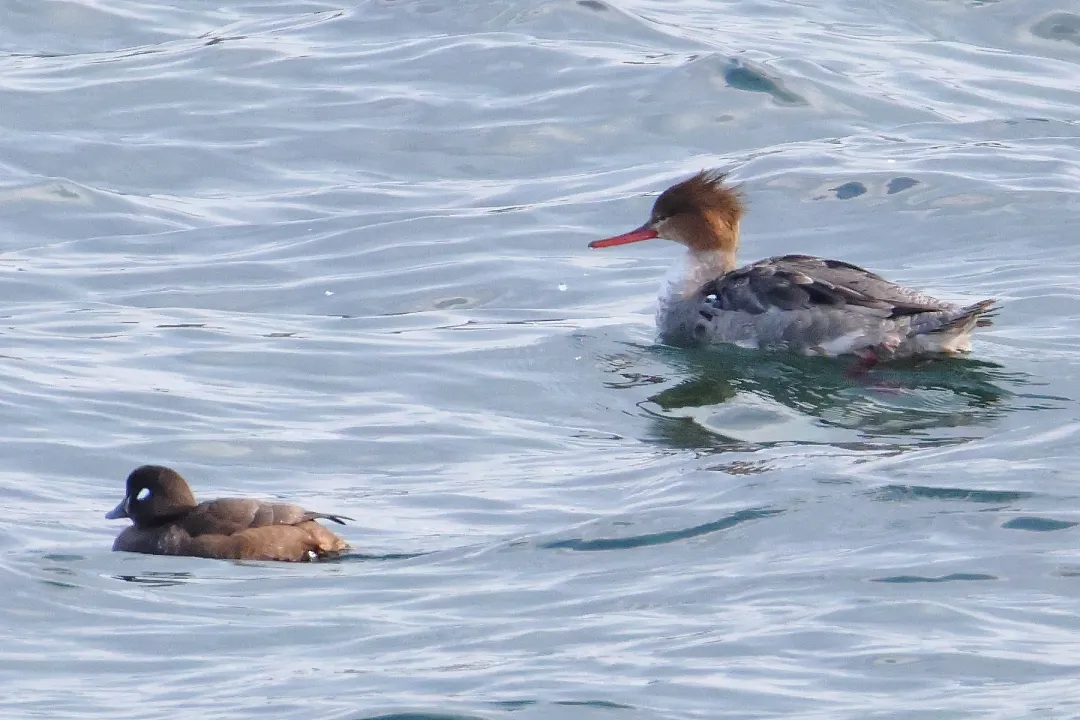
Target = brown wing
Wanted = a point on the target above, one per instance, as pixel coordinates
(228, 516)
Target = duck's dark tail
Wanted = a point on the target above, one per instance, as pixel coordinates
(339, 519)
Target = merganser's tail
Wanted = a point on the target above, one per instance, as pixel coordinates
(980, 314)
(950, 331)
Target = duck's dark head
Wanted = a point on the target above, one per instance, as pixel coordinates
(155, 495)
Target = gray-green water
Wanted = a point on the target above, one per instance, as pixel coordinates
(336, 253)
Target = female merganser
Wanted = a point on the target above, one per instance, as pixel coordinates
(793, 302)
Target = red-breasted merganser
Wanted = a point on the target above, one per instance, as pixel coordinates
(793, 302)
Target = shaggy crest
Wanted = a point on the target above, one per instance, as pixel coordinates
(704, 192)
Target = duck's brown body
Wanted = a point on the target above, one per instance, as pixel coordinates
(167, 521)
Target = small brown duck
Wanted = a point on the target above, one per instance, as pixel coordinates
(167, 521)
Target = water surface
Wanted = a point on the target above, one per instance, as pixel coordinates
(336, 253)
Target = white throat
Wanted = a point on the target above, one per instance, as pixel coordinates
(693, 270)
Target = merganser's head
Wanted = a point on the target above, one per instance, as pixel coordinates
(701, 213)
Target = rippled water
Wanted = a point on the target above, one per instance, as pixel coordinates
(337, 254)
